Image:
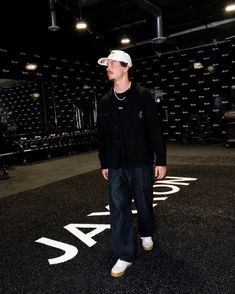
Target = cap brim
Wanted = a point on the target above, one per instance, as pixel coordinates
(103, 61)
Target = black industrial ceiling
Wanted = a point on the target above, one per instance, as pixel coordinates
(185, 23)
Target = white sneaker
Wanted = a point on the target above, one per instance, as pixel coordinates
(119, 268)
(147, 243)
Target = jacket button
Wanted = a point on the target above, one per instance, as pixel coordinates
(115, 128)
(116, 141)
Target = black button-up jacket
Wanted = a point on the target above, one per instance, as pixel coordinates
(142, 134)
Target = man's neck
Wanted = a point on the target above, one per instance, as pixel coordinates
(122, 85)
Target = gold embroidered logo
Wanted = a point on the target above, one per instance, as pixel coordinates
(141, 114)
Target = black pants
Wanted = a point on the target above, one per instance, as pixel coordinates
(125, 185)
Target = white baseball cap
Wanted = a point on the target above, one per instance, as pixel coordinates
(117, 55)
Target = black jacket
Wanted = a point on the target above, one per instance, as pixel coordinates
(144, 143)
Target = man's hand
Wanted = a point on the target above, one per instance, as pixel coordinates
(105, 173)
(159, 172)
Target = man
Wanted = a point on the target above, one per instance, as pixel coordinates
(132, 152)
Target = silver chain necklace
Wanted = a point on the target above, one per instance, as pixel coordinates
(123, 98)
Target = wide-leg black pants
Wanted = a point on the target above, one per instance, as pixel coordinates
(125, 185)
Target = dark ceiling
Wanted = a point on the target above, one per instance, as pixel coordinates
(185, 23)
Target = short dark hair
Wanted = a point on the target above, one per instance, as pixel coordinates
(124, 64)
(130, 70)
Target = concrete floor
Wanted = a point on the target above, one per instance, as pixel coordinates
(26, 177)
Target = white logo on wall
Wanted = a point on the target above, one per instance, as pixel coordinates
(169, 187)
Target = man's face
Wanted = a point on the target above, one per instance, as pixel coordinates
(115, 70)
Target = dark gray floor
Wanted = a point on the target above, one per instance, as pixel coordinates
(26, 177)
(194, 227)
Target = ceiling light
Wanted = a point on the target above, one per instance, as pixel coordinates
(81, 25)
(53, 27)
(31, 66)
(197, 65)
(230, 7)
(210, 69)
(125, 40)
(35, 95)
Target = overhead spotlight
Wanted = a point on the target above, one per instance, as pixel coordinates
(125, 40)
(53, 27)
(31, 66)
(81, 25)
(160, 38)
(230, 6)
